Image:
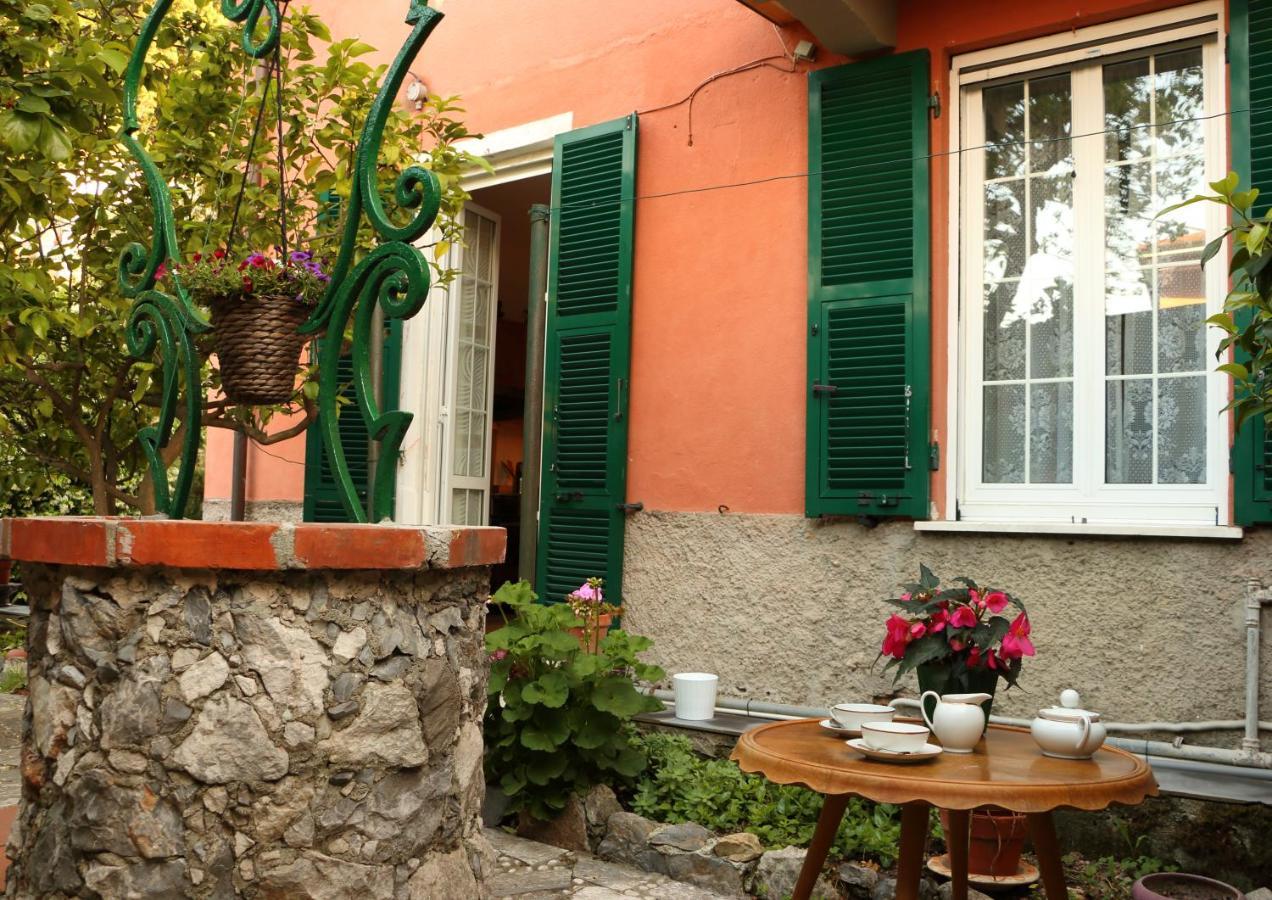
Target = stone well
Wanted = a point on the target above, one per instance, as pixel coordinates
(251, 710)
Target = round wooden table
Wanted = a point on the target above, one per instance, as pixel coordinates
(1006, 770)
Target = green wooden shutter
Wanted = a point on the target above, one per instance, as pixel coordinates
(588, 355)
(322, 499)
(1250, 70)
(868, 350)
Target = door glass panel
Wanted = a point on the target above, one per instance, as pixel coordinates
(1154, 292)
(1027, 284)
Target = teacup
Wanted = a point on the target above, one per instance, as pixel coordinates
(898, 737)
(852, 715)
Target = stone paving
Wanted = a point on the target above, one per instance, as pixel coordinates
(11, 706)
(531, 871)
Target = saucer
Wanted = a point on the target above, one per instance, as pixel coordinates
(832, 725)
(1026, 874)
(929, 751)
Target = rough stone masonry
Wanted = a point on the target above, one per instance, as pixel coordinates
(210, 734)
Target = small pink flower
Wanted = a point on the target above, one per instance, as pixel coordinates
(996, 601)
(1016, 642)
(498, 655)
(939, 620)
(897, 638)
(956, 645)
(905, 597)
(963, 617)
(974, 598)
(917, 630)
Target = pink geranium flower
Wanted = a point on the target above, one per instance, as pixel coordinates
(1016, 642)
(996, 601)
(963, 617)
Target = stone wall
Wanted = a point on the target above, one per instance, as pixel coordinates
(790, 610)
(197, 733)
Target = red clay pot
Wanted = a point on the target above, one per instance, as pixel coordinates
(1175, 886)
(598, 634)
(997, 840)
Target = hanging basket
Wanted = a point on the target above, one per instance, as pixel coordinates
(258, 346)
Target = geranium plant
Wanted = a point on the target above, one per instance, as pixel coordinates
(558, 718)
(217, 278)
(962, 631)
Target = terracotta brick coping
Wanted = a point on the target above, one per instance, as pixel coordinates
(134, 543)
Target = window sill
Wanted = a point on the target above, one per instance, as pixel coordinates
(963, 526)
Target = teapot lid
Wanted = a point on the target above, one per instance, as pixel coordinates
(1068, 710)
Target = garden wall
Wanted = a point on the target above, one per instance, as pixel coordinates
(790, 610)
(250, 710)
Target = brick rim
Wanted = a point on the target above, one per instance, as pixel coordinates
(105, 542)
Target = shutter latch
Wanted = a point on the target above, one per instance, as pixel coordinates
(934, 456)
(934, 104)
(630, 507)
(824, 389)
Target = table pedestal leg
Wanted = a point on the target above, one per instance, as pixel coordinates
(832, 814)
(956, 838)
(914, 829)
(1043, 833)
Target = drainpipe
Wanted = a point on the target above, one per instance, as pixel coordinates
(532, 415)
(238, 481)
(1256, 599)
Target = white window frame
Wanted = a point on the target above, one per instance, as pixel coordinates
(1117, 509)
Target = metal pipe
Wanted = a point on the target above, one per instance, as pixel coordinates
(1220, 755)
(238, 479)
(1256, 599)
(375, 354)
(532, 413)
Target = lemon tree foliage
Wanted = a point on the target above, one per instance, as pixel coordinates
(71, 399)
(558, 719)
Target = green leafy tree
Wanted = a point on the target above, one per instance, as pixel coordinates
(71, 399)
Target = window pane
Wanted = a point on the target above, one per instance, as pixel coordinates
(462, 437)
(1050, 116)
(1004, 230)
(1129, 207)
(1051, 222)
(1051, 332)
(1051, 433)
(1004, 333)
(1004, 435)
(1181, 318)
(1127, 110)
(1181, 424)
(1181, 233)
(1004, 130)
(1128, 432)
(1128, 339)
(1179, 101)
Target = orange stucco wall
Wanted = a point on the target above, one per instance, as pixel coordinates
(720, 283)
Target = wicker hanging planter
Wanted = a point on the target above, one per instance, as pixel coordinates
(258, 346)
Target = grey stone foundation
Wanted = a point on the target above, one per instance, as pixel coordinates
(252, 734)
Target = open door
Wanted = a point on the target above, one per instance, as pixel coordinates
(588, 354)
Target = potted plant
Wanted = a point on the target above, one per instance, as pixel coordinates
(956, 638)
(1176, 886)
(588, 603)
(558, 714)
(257, 306)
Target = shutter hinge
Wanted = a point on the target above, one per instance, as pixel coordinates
(934, 456)
(1227, 48)
(934, 104)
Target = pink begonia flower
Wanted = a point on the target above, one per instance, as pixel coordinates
(905, 597)
(1016, 642)
(963, 617)
(956, 645)
(974, 599)
(996, 601)
(939, 620)
(898, 636)
(917, 630)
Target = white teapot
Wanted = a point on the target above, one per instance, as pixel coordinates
(1067, 732)
(958, 720)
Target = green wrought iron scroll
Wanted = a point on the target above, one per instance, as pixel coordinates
(394, 275)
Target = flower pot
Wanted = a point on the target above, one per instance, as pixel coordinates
(997, 838)
(6, 570)
(591, 635)
(937, 677)
(1176, 886)
(258, 346)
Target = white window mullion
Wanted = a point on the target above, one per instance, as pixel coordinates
(1088, 281)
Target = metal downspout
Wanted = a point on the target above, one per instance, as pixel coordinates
(532, 415)
(238, 479)
(1256, 599)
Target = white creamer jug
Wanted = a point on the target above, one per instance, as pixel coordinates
(958, 720)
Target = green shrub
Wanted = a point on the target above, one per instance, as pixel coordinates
(558, 719)
(682, 786)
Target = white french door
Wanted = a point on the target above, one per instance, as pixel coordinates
(1087, 386)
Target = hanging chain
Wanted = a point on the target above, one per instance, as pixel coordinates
(282, 153)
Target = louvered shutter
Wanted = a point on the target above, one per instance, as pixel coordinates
(1250, 67)
(322, 498)
(587, 359)
(868, 359)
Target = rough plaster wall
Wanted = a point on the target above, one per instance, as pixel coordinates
(256, 511)
(789, 610)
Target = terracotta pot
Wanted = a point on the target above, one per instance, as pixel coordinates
(598, 633)
(6, 570)
(1176, 886)
(997, 839)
